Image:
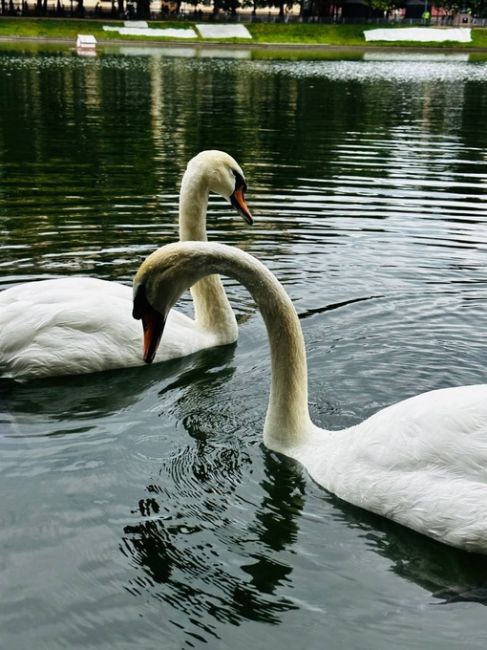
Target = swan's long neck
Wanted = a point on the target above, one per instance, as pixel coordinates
(287, 421)
(212, 310)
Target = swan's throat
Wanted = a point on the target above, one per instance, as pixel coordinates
(213, 313)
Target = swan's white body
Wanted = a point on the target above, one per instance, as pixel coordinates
(71, 326)
(421, 462)
(79, 325)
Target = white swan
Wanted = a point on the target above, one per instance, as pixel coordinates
(78, 325)
(421, 462)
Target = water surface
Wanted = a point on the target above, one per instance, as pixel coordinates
(139, 507)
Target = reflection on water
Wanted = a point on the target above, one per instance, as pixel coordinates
(173, 544)
(183, 52)
(448, 574)
(419, 57)
(142, 502)
(61, 399)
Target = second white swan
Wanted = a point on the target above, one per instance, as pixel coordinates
(75, 325)
(421, 462)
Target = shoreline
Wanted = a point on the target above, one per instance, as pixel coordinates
(245, 45)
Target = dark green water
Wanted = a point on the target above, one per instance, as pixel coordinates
(139, 508)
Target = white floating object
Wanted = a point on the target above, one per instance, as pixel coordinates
(420, 34)
(223, 31)
(86, 41)
(168, 33)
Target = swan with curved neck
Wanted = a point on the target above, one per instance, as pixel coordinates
(421, 462)
(78, 325)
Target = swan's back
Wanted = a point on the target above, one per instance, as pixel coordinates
(421, 462)
(65, 326)
(78, 325)
(444, 429)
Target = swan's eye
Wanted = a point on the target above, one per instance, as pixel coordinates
(240, 183)
(141, 304)
(152, 323)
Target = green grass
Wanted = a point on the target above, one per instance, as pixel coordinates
(479, 37)
(58, 28)
(307, 34)
(342, 35)
(270, 33)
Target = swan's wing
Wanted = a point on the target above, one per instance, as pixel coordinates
(445, 429)
(80, 325)
(421, 462)
(66, 326)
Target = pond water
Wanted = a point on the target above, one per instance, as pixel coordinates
(139, 508)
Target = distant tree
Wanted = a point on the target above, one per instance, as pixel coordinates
(384, 6)
(319, 8)
(279, 4)
(230, 6)
(478, 8)
(255, 4)
(450, 6)
(143, 9)
(188, 2)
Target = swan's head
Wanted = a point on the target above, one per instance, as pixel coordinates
(223, 176)
(161, 280)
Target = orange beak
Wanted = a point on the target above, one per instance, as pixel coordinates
(153, 324)
(238, 201)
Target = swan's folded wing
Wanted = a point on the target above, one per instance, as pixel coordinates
(65, 326)
(79, 325)
(421, 462)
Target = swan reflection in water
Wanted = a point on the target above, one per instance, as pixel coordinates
(196, 507)
(62, 401)
(449, 574)
(191, 554)
(178, 543)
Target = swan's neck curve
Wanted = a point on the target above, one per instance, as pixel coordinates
(287, 422)
(212, 310)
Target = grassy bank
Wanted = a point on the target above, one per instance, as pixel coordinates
(68, 29)
(292, 34)
(340, 35)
